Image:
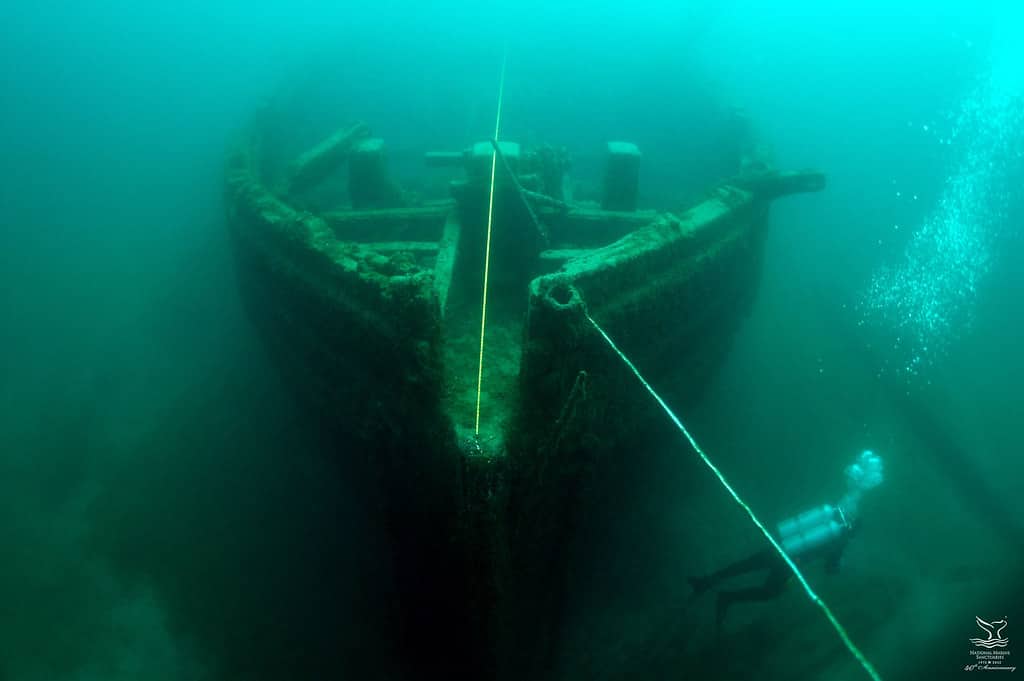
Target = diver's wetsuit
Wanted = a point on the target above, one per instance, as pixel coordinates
(778, 573)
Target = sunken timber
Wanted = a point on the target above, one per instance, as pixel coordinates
(370, 302)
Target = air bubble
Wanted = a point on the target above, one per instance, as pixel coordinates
(926, 300)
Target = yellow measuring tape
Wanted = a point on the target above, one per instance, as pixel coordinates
(487, 248)
(815, 598)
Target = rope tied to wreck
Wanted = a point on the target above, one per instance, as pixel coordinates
(525, 195)
(814, 597)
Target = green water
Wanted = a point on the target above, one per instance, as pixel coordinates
(167, 511)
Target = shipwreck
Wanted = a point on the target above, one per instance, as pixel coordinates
(479, 452)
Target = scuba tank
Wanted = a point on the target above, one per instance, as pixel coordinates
(812, 529)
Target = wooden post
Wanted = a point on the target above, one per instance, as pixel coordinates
(369, 185)
(313, 166)
(622, 177)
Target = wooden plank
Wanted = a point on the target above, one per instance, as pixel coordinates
(431, 210)
(444, 266)
(772, 185)
(583, 226)
(587, 215)
(420, 223)
(395, 246)
(314, 165)
(558, 254)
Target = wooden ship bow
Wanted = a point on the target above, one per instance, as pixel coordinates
(369, 300)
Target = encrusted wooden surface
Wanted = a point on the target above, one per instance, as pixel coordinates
(356, 335)
(373, 318)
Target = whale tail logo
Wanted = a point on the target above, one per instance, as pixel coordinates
(994, 629)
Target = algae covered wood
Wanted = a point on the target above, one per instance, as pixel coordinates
(411, 223)
(317, 163)
(374, 319)
(672, 294)
(672, 291)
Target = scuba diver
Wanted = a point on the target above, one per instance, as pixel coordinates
(820, 533)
